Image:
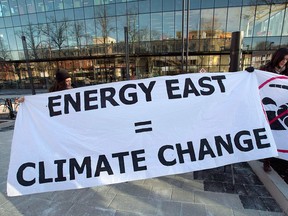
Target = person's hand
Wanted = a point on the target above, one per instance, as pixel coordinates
(20, 100)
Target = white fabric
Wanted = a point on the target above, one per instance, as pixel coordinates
(275, 87)
(192, 111)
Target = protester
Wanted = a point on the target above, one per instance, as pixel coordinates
(62, 82)
(279, 65)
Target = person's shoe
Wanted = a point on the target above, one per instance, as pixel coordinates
(266, 166)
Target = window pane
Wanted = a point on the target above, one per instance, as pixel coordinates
(144, 6)
(168, 25)
(79, 13)
(156, 6)
(156, 26)
(247, 20)
(169, 5)
(221, 3)
(121, 9)
(89, 12)
(233, 21)
(110, 9)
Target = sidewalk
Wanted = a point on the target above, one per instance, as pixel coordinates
(207, 192)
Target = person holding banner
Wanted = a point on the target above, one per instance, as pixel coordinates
(279, 65)
(62, 81)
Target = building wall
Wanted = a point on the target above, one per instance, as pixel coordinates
(66, 33)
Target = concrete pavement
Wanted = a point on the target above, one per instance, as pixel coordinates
(207, 192)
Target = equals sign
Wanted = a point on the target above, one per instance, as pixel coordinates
(143, 126)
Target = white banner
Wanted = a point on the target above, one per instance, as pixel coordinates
(124, 131)
(274, 90)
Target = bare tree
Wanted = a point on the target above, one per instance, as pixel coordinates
(56, 32)
(78, 33)
(105, 27)
(32, 35)
(4, 54)
(4, 51)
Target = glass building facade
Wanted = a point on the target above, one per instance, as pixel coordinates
(163, 37)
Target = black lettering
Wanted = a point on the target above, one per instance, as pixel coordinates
(20, 175)
(162, 158)
(189, 151)
(148, 90)
(42, 178)
(202, 152)
(202, 84)
(248, 142)
(103, 160)
(190, 88)
(60, 175)
(132, 96)
(88, 99)
(258, 138)
(109, 97)
(120, 157)
(220, 83)
(171, 88)
(75, 103)
(219, 142)
(52, 104)
(73, 164)
(136, 160)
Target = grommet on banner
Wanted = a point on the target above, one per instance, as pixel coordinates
(249, 69)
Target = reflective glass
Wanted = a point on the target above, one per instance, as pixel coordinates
(219, 23)
(259, 43)
(221, 3)
(261, 20)
(69, 14)
(207, 4)
(68, 4)
(144, 6)
(284, 41)
(33, 19)
(111, 10)
(79, 13)
(16, 20)
(13, 7)
(169, 5)
(156, 6)
(237, 2)
(39, 6)
(194, 24)
(88, 12)
(144, 27)
(168, 25)
(233, 20)
(156, 26)
(247, 20)
(120, 9)
(273, 43)
(276, 20)
(132, 8)
(24, 20)
(42, 17)
(206, 23)
(194, 4)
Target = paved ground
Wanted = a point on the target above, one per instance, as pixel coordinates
(208, 192)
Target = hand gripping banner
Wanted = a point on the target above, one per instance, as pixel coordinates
(131, 130)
